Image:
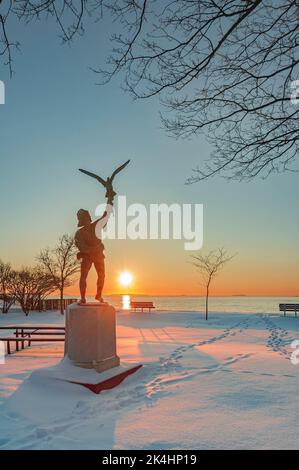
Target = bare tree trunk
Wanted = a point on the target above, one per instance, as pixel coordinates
(61, 301)
(207, 302)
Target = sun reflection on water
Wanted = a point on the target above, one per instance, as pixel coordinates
(126, 301)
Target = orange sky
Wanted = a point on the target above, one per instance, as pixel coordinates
(174, 274)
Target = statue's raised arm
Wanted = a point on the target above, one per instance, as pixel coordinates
(90, 246)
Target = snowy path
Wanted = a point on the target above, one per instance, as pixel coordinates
(225, 383)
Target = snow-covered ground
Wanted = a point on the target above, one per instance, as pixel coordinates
(223, 384)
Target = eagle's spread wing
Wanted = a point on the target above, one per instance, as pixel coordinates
(121, 167)
(93, 175)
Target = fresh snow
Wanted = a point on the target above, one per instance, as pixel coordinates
(223, 384)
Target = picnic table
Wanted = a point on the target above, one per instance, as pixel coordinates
(30, 334)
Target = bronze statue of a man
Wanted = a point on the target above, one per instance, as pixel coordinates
(90, 246)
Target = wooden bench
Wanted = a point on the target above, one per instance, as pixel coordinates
(142, 305)
(289, 308)
(23, 333)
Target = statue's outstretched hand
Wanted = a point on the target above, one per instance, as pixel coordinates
(110, 193)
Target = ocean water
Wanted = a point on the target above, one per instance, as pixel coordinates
(197, 304)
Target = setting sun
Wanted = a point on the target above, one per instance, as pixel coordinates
(125, 279)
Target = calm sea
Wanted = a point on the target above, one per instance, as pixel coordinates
(197, 304)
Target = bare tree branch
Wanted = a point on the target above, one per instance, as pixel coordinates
(209, 266)
(61, 264)
(29, 286)
(6, 279)
(221, 68)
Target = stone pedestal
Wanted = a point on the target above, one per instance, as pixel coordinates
(90, 336)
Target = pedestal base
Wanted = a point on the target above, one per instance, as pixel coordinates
(90, 337)
(106, 382)
(100, 366)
